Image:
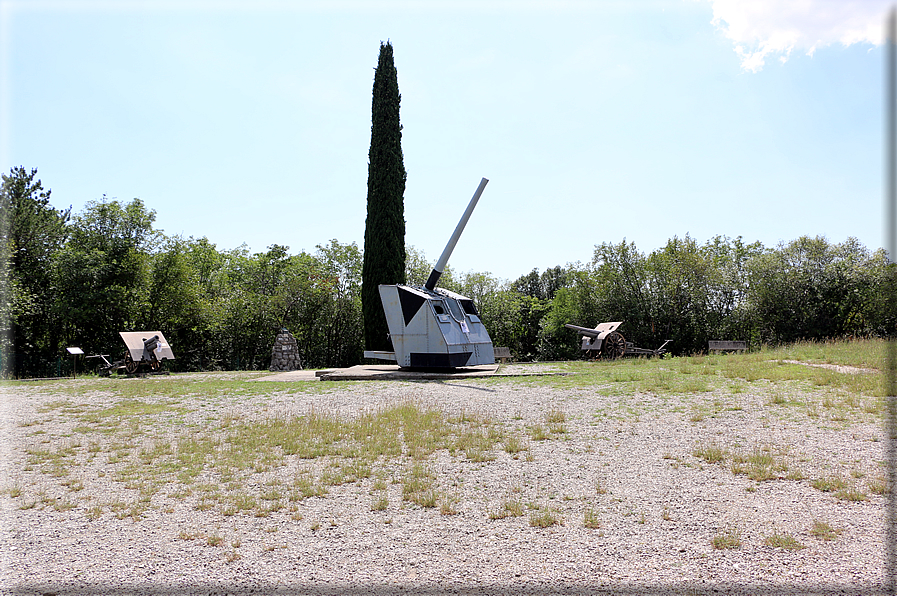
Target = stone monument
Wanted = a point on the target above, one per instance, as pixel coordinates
(285, 353)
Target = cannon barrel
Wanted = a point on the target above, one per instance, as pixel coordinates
(150, 344)
(447, 252)
(583, 330)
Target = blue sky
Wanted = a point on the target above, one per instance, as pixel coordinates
(594, 121)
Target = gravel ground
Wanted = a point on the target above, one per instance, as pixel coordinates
(629, 460)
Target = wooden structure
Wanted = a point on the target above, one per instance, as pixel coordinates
(716, 345)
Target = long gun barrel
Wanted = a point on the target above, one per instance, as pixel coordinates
(584, 330)
(150, 344)
(440, 264)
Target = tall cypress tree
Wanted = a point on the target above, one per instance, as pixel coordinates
(384, 234)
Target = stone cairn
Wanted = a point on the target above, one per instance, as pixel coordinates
(285, 353)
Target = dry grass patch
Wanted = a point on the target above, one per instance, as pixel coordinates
(538, 433)
(544, 518)
(851, 493)
(711, 453)
(727, 539)
(510, 508)
(235, 449)
(829, 484)
(591, 520)
(784, 541)
(763, 463)
(824, 531)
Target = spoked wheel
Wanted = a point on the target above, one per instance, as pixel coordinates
(614, 346)
(154, 364)
(130, 365)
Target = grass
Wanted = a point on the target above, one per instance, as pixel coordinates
(165, 434)
(510, 508)
(851, 493)
(234, 449)
(418, 487)
(381, 503)
(824, 531)
(727, 539)
(879, 486)
(761, 464)
(591, 520)
(215, 541)
(538, 433)
(556, 420)
(544, 518)
(861, 353)
(448, 505)
(829, 484)
(784, 541)
(555, 416)
(513, 444)
(734, 374)
(711, 453)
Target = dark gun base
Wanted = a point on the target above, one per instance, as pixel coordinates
(425, 360)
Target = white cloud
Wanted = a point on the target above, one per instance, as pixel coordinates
(762, 29)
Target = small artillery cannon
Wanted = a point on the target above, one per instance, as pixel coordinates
(435, 328)
(145, 350)
(604, 341)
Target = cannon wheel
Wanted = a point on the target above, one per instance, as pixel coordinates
(154, 364)
(130, 365)
(614, 346)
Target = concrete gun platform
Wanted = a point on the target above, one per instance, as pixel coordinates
(365, 372)
(381, 372)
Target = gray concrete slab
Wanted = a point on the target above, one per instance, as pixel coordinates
(377, 372)
(293, 375)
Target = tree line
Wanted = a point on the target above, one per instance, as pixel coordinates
(77, 279)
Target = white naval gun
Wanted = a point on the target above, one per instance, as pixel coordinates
(430, 327)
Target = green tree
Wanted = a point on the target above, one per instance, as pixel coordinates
(620, 273)
(253, 313)
(340, 323)
(679, 288)
(102, 274)
(730, 314)
(384, 236)
(811, 289)
(555, 341)
(175, 305)
(203, 345)
(31, 231)
(501, 312)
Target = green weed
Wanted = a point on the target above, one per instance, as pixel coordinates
(829, 484)
(418, 487)
(823, 531)
(544, 518)
(785, 541)
(851, 493)
(727, 539)
(509, 508)
(759, 465)
(711, 453)
(538, 433)
(591, 520)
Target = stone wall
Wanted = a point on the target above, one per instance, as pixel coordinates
(285, 353)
